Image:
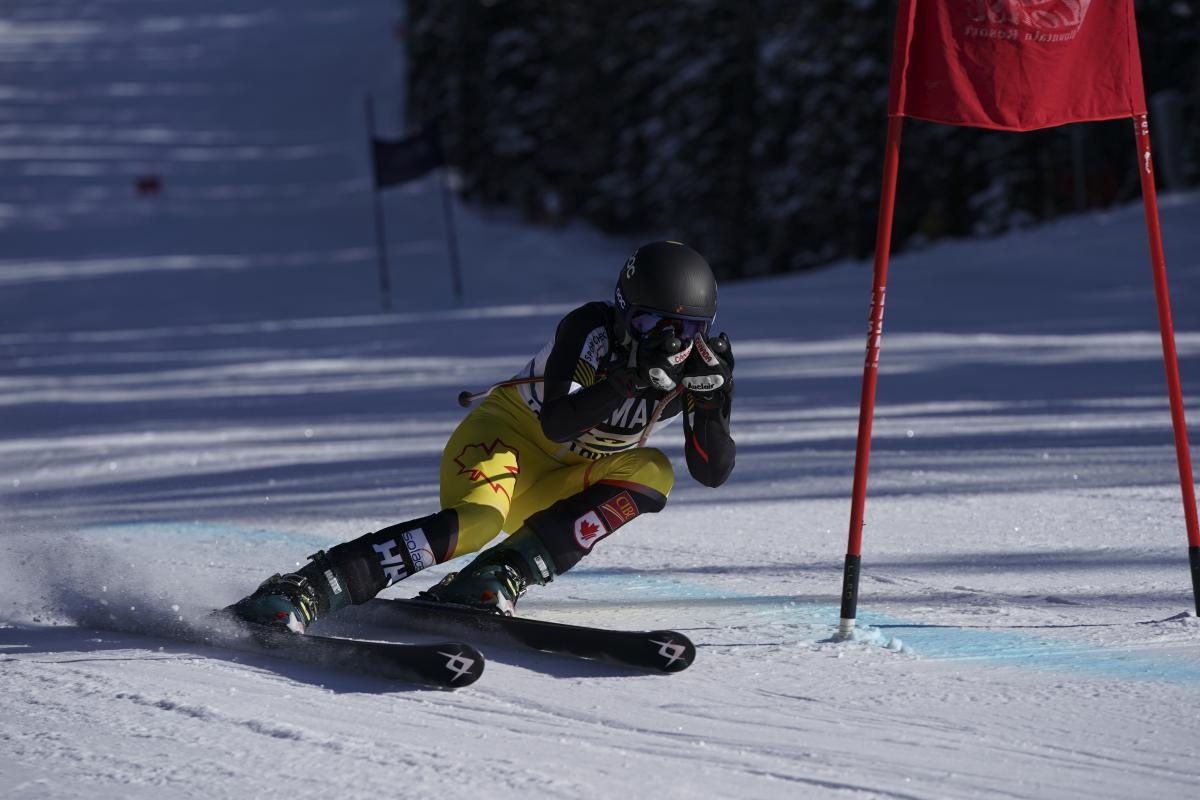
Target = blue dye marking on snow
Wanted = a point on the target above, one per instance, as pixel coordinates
(1043, 653)
(948, 643)
(999, 647)
(207, 529)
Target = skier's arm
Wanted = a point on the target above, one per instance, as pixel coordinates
(708, 400)
(601, 390)
(709, 448)
(575, 359)
(568, 415)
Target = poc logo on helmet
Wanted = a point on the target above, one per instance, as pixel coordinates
(631, 266)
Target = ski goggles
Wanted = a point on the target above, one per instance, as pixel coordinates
(644, 323)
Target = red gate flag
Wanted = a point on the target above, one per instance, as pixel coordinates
(1016, 65)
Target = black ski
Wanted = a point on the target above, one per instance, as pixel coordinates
(447, 665)
(660, 651)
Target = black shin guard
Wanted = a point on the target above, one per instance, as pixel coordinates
(371, 563)
(570, 527)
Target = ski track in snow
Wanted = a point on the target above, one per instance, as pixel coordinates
(199, 389)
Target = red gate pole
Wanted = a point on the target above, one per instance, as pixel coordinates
(866, 412)
(1162, 297)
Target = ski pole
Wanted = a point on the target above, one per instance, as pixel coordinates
(658, 409)
(466, 397)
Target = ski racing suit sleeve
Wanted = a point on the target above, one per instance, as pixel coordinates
(709, 448)
(566, 414)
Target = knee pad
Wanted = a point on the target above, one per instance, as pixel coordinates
(572, 526)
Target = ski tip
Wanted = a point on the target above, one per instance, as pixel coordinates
(675, 651)
(463, 665)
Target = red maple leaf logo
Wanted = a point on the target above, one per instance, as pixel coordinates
(588, 529)
(473, 465)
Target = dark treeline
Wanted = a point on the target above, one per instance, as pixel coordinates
(751, 128)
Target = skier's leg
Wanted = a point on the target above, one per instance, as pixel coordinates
(351, 572)
(475, 498)
(564, 514)
(596, 500)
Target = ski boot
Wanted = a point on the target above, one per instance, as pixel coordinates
(294, 601)
(498, 577)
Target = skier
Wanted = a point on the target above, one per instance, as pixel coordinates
(552, 456)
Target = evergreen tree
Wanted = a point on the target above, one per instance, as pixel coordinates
(753, 129)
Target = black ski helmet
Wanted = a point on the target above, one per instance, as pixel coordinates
(669, 278)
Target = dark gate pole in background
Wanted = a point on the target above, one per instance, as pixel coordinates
(385, 282)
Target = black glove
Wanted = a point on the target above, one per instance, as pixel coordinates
(708, 373)
(656, 361)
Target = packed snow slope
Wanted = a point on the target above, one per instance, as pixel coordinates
(198, 388)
